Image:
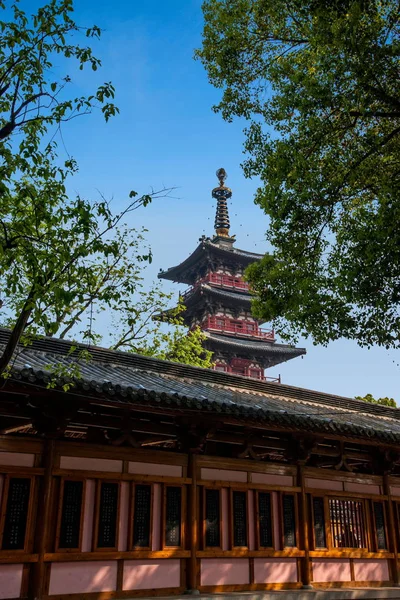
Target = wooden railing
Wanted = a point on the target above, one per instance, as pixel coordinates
(226, 281)
(246, 328)
(220, 280)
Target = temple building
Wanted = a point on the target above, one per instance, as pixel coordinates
(219, 300)
(139, 477)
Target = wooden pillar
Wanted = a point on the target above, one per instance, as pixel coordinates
(192, 578)
(391, 529)
(41, 535)
(304, 529)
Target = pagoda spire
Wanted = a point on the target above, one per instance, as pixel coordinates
(222, 195)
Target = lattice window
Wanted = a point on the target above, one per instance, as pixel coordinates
(212, 518)
(173, 516)
(264, 507)
(14, 532)
(142, 516)
(239, 516)
(108, 515)
(348, 523)
(71, 512)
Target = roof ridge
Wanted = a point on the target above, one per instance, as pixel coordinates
(155, 365)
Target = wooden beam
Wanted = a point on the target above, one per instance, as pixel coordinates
(41, 537)
(392, 531)
(303, 529)
(192, 579)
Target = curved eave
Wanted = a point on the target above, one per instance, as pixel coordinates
(229, 298)
(275, 353)
(180, 272)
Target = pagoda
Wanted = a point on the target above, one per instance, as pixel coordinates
(219, 300)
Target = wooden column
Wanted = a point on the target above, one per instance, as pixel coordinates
(41, 535)
(192, 578)
(304, 529)
(391, 530)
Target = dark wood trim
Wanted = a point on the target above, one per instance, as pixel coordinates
(192, 570)
(38, 581)
(303, 528)
(110, 475)
(118, 594)
(391, 532)
(114, 555)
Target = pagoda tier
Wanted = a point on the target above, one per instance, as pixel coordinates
(209, 256)
(219, 300)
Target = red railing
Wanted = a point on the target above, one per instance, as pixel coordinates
(247, 373)
(247, 328)
(226, 281)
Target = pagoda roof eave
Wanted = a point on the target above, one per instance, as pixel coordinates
(204, 290)
(206, 247)
(276, 353)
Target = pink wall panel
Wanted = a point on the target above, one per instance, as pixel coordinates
(224, 571)
(324, 484)
(331, 569)
(250, 513)
(88, 515)
(151, 574)
(371, 570)
(10, 581)
(157, 518)
(91, 464)
(395, 490)
(275, 570)
(276, 525)
(17, 459)
(123, 517)
(363, 488)
(84, 577)
(225, 518)
(224, 475)
(155, 469)
(272, 479)
(1, 487)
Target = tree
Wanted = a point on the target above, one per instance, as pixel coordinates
(383, 401)
(61, 260)
(33, 105)
(82, 266)
(324, 75)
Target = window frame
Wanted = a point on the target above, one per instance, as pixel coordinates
(204, 531)
(183, 516)
(373, 523)
(367, 523)
(59, 548)
(231, 519)
(282, 520)
(96, 547)
(327, 522)
(131, 531)
(257, 520)
(29, 517)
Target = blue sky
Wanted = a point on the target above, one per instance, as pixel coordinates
(167, 135)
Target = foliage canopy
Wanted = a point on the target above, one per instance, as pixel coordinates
(384, 401)
(62, 260)
(318, 84)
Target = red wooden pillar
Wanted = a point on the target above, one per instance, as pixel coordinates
(192, 572)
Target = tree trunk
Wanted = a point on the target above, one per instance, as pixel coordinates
(16, 333)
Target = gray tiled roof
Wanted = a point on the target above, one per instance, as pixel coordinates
(134, 379)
